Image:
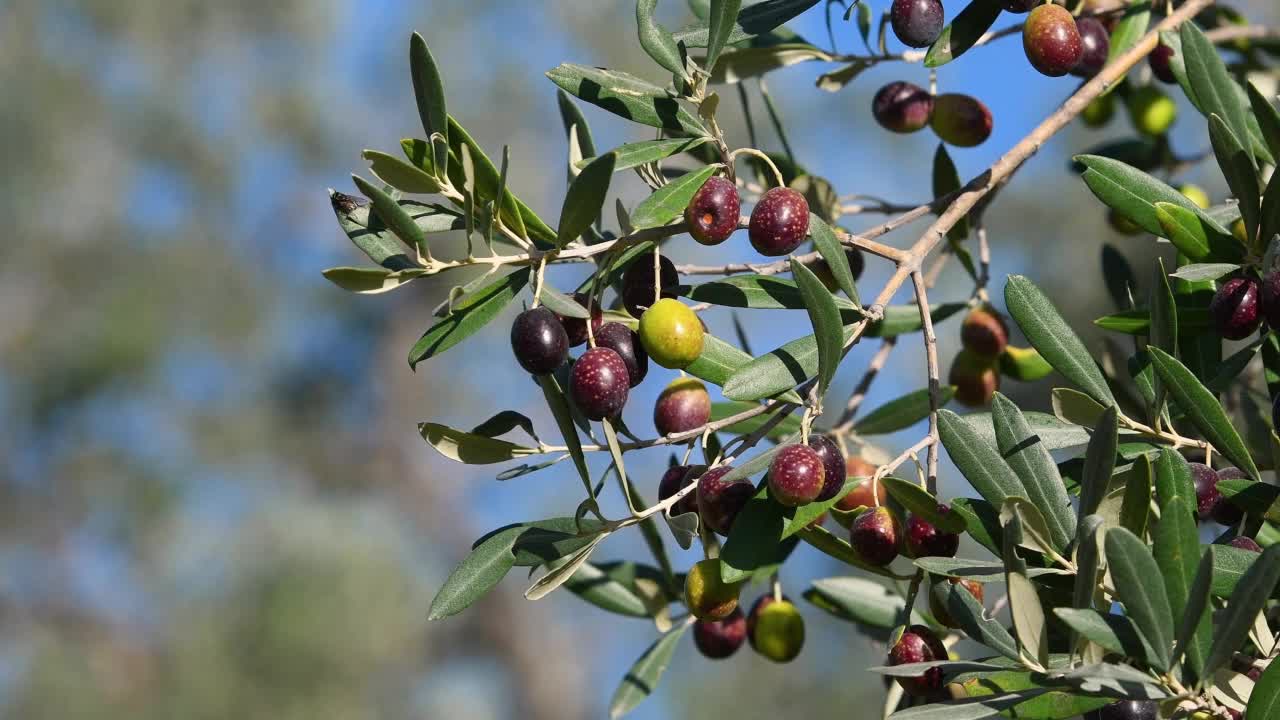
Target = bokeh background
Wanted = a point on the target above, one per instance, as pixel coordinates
(213, 501)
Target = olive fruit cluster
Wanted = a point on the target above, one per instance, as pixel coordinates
(984, 337)
(774, 627)
(779, 221)
(878, 538)
(956, 119)
(618, 360)
(1056, 43)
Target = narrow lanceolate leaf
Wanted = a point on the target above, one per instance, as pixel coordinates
(471, 448)
(1229, 567)
(1075, 407)
(1116, 633)
(834, 255)
(757, 19)
(1237, 167)
(1031, 462)
(656, 39)
(560, 410)
(1203, 409)
(429, 91)
(946, 180)
(575, 125)
(626, 96)
(903, 319)
(919, 502)
(1268, 119)
(583, 202)
(1164, 323)
(371, 281)
(596, 586)
(789, 425)
(1199, 272)
(562, 304)
(1132, 571)
(1195, 629)
(858, 599)
(561, 573)
(1211, 81)
(1173, 478)
(901, 413)
(368, 233)
(1270, 220)
(968, 709)
(476, 575)
(668, 202)
(825, 318)
(1177, 551)
(1035, 533)
(971, 616)
(1135, 505)
(1054, 433)
(1087, 561)
(978, 460)
(1246, 602)
(755, 544)
(1134, 193)
(1264, 702)
(640, 153)
(718, 361)
(767, 292)
(468, 316)
(644, 675)
(1099, 462)
(776, 371)
(981, 571)
(1056, 341)
(974, 20)
(806, 514)
(1024, 602)
(399, 174)
(720, 24)
(393, 216)
(1129, 30)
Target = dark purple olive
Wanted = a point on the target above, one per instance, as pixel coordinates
(624, 341)
(718, 639)
(902, 107)
(925, 540)
(833, 467)
(675, 479)
(1161, 62)
(1245, 543)
(638, 284)
(917, 23)
(576, 328)
(1126, 710)
(719, 502)
(779, 222)
(1019, 6)
(1205, 481)
(796, 476)
(539, 341)
(1235, 309)
(1096, 42)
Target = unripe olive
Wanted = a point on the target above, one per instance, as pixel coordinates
(1151, 111)
(1196, 195)
(776, 629)
(671, 333)
(706, 595)
(1099, 111)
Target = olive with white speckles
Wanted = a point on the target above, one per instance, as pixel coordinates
(796, 476)
(539, 341)
(599, 383)
(712, 214)
(779, 222)
(683, 406)
(917, 23)
(1052, 40)
(719, 502)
